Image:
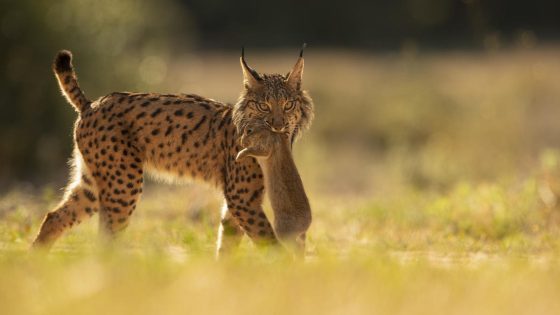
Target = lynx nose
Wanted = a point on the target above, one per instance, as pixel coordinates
(276, 125)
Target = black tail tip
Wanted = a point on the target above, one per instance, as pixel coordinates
(63, 61)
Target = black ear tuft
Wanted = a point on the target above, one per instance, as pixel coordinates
(302, 48)
(246, 67)
(63, 61)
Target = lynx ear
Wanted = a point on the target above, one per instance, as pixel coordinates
(294, 78)
(251, 79)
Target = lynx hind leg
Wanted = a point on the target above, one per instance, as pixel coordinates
(119, 194)
(252, 152)
(81, 201)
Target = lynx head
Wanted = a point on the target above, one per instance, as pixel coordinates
(273, 100)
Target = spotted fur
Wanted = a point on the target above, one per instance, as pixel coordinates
(121, 135)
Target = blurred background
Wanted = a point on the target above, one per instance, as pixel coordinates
(419, 94)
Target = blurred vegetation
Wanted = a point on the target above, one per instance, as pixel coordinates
(160, 283)
(461, 114)
(376, 24)
(115, 43)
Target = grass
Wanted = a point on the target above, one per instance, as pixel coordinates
(433, 181)
(481, 249)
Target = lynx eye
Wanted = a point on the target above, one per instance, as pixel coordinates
(262, 107)
(289, 106)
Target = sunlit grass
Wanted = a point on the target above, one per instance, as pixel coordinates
(156, 284)
(478, 249)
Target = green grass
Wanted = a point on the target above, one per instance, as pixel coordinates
(433, 181)
(484, 249)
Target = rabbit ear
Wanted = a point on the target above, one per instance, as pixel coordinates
(294, 78)
(251, 78)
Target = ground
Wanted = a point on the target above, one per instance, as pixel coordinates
(433, 181)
